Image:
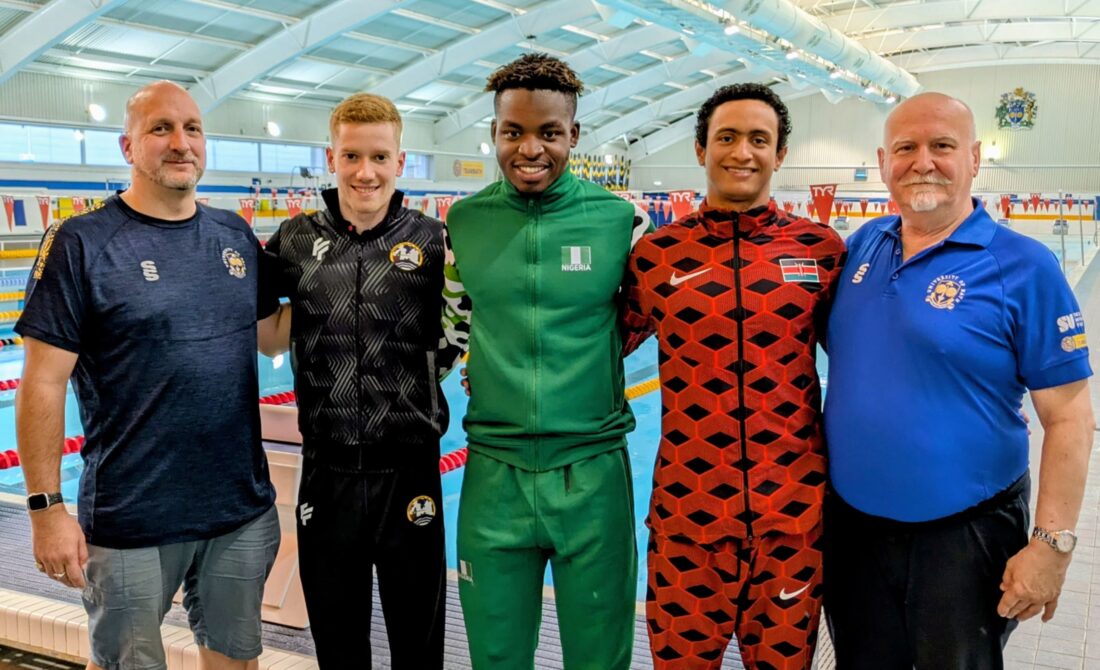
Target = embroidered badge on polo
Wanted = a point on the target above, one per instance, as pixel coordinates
(945, 291)
(799, 270)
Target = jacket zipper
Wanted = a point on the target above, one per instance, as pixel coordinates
(533, 260)
(358, 341)
(736, 262)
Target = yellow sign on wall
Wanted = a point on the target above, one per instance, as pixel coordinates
(469, 169)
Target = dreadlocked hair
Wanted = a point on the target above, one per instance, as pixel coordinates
(536, 72)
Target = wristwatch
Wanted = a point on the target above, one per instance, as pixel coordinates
(1062, 541)
(36, 502)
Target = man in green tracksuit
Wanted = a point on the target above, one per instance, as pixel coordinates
(541, 256)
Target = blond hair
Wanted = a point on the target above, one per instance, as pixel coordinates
(364, 108)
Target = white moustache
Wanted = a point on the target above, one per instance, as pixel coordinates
(938, 181)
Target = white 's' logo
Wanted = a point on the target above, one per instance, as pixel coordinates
(320, 248)
(305, 512)
(149, 269)
(860, 271)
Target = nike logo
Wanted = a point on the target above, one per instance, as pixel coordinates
(783, 595)
(676, 281)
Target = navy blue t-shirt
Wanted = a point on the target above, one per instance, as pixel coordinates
(163, 317)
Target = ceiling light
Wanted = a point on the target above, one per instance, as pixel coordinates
(836, 74)
(870, 89)
(657, 183)
(891, 99)
(609, 159)
(792, 55)
(78, 135)
(484, 148)
(731, 29)
(273, 129)
(97, 112)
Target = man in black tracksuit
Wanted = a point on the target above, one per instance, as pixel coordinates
(368, 347)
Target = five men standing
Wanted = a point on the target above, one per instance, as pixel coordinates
(947, 316)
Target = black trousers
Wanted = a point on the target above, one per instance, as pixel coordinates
(924, 595)
(350, 518)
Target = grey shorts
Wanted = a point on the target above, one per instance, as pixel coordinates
(130, 590)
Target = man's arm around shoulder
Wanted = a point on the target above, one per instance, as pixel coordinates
(58, 541)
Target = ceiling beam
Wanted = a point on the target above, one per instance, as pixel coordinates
(618, 47)
(500, 35)
(323, 25)
(44, 28)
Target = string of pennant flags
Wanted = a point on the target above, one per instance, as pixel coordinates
(823, 204)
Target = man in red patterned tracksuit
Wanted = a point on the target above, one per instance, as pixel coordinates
(736, 292)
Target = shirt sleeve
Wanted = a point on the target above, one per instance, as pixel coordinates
(1046, 323)
(636, 322)
(456, 315)
(57, 292)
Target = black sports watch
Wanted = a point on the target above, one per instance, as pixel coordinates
(36, 502)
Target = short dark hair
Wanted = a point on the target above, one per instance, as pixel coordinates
(751, 91)
(536, 72)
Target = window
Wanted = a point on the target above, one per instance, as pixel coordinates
(101, 148)
(417, 166)
(232, 155)
(287, 158)
(38, 144)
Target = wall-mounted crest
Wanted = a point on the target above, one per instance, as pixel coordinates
(1018, 110)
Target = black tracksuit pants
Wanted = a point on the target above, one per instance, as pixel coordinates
(352, 516)
(900, 595)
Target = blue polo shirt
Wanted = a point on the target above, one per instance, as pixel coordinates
(929, 360)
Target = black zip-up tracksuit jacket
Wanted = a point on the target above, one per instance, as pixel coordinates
(367, 343)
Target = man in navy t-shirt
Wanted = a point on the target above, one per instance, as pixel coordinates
(149, 303)
(942, 320)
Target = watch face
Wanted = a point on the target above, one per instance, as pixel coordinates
(37, 502)
(1065, 541)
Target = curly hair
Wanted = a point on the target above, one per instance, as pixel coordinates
(750, 91)
(536, 72)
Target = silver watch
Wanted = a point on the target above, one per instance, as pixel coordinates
(1062, 541)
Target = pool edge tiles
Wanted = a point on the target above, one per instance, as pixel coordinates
(46, 626)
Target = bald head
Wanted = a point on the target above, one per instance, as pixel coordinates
(163, 140)
(155, 92)
(925, 105)
(929, 158)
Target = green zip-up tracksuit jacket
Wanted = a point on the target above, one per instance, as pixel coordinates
(543, 275)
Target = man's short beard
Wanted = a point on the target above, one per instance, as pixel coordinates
(924, 201)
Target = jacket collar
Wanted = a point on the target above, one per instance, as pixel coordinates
(723, 222)
(341, 225)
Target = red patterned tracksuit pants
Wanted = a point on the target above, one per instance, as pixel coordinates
(766, 591)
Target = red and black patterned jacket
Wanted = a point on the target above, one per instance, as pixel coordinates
(738, 302)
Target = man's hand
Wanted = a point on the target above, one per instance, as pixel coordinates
(1032, 582)
(59, 547)
(465, 381)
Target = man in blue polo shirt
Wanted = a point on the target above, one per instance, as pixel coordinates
(942, 321)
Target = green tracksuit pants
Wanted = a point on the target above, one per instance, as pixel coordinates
(580, 518)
